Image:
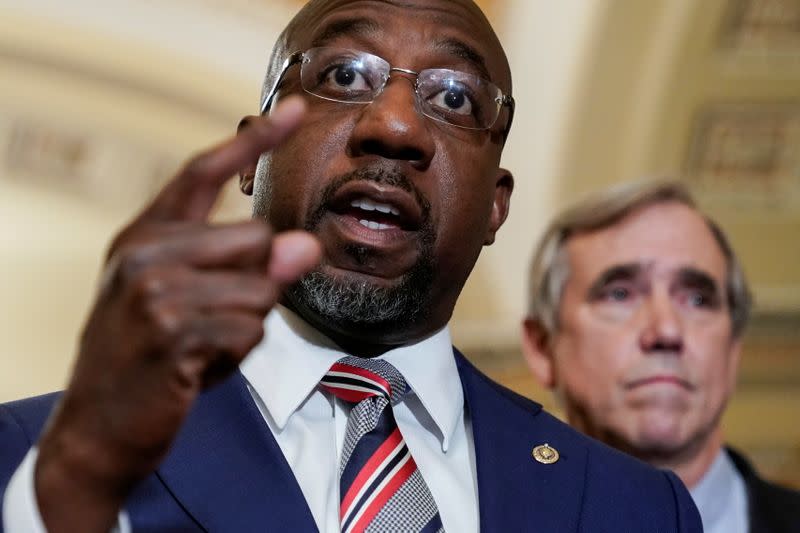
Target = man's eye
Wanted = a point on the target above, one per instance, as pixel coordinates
(453, 99)
(699, 299)
(345, 77)
(617, 294)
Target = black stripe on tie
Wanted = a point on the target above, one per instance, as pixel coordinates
(334, 381)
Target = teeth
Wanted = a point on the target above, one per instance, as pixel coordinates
(373, 225)
(364, 204)
(368, 205)
(383, 208)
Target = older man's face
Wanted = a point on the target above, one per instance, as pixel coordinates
(440, 188)
(644, 358)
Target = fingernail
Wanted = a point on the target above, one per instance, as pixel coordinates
(288, 111)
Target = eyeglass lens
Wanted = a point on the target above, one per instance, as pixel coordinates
(450, 96)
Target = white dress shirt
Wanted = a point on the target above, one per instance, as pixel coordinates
(283, 373)
(721, 498)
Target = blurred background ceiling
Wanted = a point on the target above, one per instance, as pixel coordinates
(100, 101)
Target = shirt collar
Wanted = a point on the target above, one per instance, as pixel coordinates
(713, 492)
(286, 367)
(430, 371)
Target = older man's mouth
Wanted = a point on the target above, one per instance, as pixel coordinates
(660, 379)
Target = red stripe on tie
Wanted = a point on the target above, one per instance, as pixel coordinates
(352, 396)
(400, 477)
(364, 373)
(368, 469)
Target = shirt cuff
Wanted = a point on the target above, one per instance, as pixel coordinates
(20, 508)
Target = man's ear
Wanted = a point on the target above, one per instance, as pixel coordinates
(504, 184)
(247, 175)
(537, 353)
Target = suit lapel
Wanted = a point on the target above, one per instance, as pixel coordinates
(515, 492)
(227, 470)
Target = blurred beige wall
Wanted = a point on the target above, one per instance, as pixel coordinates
(100, 102)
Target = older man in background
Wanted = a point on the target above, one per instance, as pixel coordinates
(637, 308)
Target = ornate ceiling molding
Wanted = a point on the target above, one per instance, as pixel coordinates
(764, 27)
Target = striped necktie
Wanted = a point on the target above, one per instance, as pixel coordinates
(380, 487)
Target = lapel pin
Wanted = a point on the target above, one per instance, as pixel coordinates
(545, 454)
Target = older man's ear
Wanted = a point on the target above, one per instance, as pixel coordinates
(537, 353)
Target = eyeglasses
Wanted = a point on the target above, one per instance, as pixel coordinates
(354, 77)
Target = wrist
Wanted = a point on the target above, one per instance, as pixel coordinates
(80, 484)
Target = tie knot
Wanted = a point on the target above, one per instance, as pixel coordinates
(354, 379)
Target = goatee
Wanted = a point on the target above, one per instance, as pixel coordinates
(355, 303)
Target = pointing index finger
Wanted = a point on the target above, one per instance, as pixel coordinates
(191, 194)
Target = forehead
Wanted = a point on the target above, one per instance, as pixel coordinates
(402, 31)
(668, 237)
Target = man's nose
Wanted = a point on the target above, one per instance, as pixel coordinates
(393, 127)
(663, 329)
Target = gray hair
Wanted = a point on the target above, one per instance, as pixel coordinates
(550, 269)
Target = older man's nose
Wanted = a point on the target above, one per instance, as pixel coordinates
(393, 127)
(663, 329)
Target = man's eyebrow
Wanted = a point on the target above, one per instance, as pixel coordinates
(351, 26)
(693, 277)
(464, 51)
(615, 273)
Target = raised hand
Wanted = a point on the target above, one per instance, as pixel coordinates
(180, 304)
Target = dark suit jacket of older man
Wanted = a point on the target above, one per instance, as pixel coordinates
(772, 508)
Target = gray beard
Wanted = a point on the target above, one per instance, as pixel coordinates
(353, 302)
(359, 302)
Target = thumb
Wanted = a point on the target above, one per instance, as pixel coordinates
(293, 254)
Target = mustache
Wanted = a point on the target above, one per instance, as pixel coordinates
(381, 175)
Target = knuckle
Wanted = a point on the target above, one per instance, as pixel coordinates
(166, 319)
(131, 261)
(122, 269)
(193, 341)
(149, 284)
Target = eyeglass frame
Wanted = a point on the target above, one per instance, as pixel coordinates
(297, 57)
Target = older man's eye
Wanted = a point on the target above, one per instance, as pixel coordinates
(615, 294)
(619, 294)
(700, 299)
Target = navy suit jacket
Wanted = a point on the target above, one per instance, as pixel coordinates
(225, 472)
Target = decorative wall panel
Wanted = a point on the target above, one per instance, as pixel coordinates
(104, 169)
(763, 25)
(747, 156)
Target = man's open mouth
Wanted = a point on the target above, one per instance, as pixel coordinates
(378, 207)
